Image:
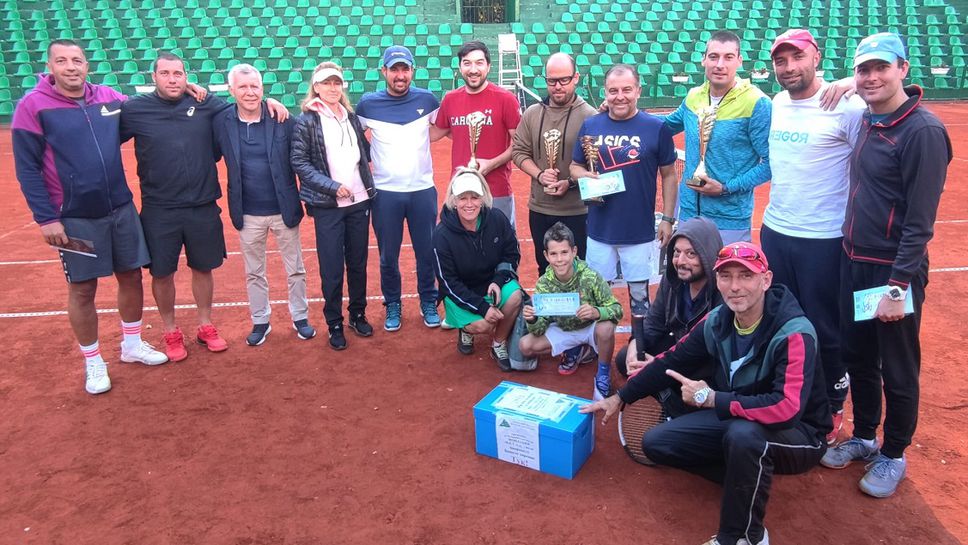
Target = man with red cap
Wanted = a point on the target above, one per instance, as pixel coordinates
(810, 150)
(748, 372)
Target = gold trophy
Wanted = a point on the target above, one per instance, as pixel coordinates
(707, 118)
(552, 142)
(475, 124)
(591, 157)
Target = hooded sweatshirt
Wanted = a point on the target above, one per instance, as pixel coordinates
(738, 154)
(468, 261)
(592, 290)
(666, 316)
(529, 144)
(68, 156)
(779, 385)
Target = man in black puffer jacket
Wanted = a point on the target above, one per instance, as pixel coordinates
(762, 410)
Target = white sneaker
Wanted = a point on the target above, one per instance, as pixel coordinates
(98, 380)
(143, 353)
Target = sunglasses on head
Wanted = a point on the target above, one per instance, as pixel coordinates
(740, 252)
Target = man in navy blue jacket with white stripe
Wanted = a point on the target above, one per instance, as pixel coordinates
(761, 405)
(400, 119)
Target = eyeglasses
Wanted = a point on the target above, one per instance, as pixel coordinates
(554, 82)
(740, 252)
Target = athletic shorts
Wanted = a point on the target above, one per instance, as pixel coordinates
(563, 340)
(197, 228)
(638, 261)
(118, 242)
(458, 316)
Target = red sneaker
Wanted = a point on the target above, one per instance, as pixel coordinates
(838, 425)
(209, 337)
(175, 345)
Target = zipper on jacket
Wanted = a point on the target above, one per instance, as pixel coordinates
(890, 221)
(850, 204)
(97, 145)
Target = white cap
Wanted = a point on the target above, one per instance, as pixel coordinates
(327, 73)
(467, 181)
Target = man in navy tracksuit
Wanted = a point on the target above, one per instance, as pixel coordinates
(762, 404)
(897, 174)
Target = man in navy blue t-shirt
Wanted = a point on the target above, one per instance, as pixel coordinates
(621, 230)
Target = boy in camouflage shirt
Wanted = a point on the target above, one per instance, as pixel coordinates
(591, 329)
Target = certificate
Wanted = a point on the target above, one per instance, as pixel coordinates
(555, 304)
(607, 183)
(866, 301)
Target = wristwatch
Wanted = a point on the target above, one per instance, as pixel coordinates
(701, 396)
(894, 293)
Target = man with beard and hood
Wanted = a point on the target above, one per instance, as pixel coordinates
(685, 296)
(554, 195)
(749, 369)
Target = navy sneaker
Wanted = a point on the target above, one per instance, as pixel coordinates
(393, 320)
(258, 335)
(465, 342)
(429, 313)
(359, 324)
(337, 341)
(500, 354)
(303, 330)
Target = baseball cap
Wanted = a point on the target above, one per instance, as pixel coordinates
(797, 37)
(467, 180)
(327, 73)
(746, 254)
(395, 54)
(884, 46)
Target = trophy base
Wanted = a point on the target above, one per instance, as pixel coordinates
(594, 201)
(548, 189)
(696, 182)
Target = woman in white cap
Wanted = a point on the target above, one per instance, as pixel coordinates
(331, 157)
(477, 259)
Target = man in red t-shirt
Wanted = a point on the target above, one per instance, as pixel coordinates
(502, 114)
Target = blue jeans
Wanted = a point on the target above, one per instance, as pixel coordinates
(419, 208)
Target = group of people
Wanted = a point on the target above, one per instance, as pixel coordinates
(749, 348)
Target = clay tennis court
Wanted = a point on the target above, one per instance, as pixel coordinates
(293, 443)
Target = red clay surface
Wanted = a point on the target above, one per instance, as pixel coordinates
(292, 443)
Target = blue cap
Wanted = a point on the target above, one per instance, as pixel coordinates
(397, 53)
(884, 46)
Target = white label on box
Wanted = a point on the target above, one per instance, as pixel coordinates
(540, 403)
(517, 440)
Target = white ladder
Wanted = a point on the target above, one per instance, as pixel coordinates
(509, 62)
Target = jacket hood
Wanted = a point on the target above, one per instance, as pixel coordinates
(45, 86)
(574, 281)
(915, 93)
(706, 241)
(740, 88)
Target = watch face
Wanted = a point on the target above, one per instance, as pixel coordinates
(700, 396)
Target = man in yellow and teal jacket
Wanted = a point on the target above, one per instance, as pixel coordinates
(737, 153)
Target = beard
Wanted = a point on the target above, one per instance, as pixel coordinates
(691, 277)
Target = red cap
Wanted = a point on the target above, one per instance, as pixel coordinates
(746, 254)
(797, 37)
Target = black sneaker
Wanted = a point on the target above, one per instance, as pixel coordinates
(360, 326)
(303, 330)
(500, 354)
(337, 341)
(465, 342)
(258, 335)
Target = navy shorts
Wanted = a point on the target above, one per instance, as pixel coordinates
(118, 242)
(197, 228)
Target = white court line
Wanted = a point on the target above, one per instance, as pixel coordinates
(182, 256)
(311, 300)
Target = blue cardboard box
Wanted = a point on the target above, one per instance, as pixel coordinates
(535, 428)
